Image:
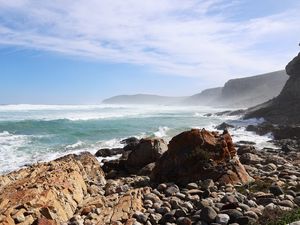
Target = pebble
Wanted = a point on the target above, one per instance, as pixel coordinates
(208, 214)
(222, 219)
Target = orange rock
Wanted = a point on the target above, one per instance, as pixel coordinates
(198, 155)
(50, 191)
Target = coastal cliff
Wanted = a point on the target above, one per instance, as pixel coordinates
(285, 108)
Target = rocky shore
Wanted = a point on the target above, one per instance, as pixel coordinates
(200, 177)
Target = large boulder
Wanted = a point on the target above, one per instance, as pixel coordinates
(51, 190)
(148, 150)
(199, 155)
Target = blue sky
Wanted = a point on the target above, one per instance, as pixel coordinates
(71, 52)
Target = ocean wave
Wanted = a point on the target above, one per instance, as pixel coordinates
(162, 132)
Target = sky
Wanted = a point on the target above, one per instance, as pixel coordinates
(83, 51)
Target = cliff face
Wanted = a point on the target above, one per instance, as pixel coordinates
(242, 92)
(285, 108)
(206, 97)
(251, 91)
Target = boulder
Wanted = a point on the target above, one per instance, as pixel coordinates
(147, 151)
(250, 159)
(199, 155)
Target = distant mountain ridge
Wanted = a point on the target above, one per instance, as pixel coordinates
(240, 92)
(143, 99)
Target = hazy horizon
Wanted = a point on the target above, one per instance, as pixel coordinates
(84, 52)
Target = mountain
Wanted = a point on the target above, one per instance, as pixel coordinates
(206, 97)
(285, 108)
(143, 99)
(251, 91)
(241, 92)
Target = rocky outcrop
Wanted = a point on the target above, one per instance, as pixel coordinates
(285, 108)
(50, 191)
(200, 155)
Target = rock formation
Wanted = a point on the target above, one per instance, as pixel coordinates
(285, 108)
(199, 155)
(138, 155)
(51, 193)
(49, 190)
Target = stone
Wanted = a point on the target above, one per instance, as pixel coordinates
(183, 221)
(192, 186)
(155, 218)
(251, 214)
(208, 214)
(297, 200)
(276, 190)
(222, 219)
(171, 190)
(250, 158)
(243, 220)
(140, 217)
(232, 213)
(286, 203)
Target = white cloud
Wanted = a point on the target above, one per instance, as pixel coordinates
(187, 38)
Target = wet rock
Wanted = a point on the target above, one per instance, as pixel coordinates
(109, 152)
(224, 126)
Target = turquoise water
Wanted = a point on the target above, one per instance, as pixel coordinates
(32, 133)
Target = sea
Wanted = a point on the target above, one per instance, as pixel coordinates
(38, 133)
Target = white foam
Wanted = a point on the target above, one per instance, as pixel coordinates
(162, 132)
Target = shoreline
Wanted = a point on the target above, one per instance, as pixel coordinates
(111, 195)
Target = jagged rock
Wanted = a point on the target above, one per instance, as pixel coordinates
(106, 152)
(130, 143)
(199, 155)
(224, 126)
(49, 190)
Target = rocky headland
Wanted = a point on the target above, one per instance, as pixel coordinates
(200, 177)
